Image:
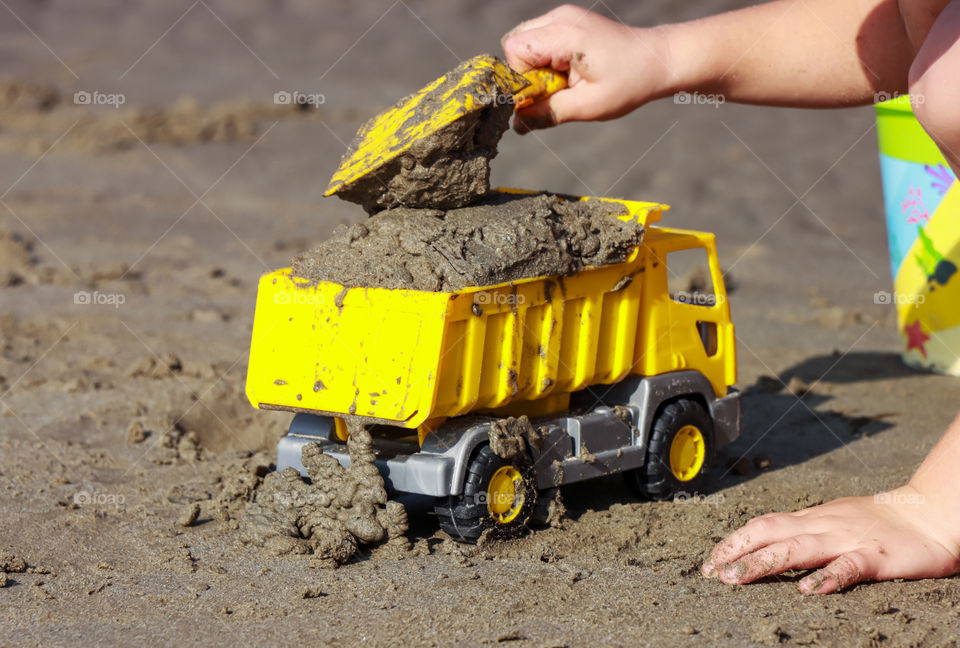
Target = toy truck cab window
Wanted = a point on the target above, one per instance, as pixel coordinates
(689, 277)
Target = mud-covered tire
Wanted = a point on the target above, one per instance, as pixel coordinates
(656, 479)
(466, 516)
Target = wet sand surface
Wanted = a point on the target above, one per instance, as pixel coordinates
(131, 240)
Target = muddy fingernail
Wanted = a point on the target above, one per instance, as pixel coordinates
(708, 569)
(812, 584)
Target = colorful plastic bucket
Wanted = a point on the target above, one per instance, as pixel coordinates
(922, 201)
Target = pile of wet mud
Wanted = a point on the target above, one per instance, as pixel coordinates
(504, 237)
(330, 516)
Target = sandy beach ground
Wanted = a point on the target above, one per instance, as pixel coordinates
(131, 240)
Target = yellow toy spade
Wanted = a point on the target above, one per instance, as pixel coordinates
(433, 147)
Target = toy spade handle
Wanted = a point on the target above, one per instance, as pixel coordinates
(543, 83)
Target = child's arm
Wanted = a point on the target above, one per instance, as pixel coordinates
(797, 53)
(909, 532)
(935, 75)
(789, 52)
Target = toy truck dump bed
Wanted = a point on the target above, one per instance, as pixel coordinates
(406, 357)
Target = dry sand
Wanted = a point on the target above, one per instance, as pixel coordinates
(127, 281)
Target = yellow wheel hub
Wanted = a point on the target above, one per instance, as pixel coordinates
(505, 494)
(687, 452)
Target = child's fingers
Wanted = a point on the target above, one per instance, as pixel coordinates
(527, 25)
(535, 116)
(846, 570)
(798, 552)
(559, 18)
(564, 106)
(758, 532)
(526, 49)
(548, 46)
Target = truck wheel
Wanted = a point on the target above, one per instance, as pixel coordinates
(679, 453)
(497, 494)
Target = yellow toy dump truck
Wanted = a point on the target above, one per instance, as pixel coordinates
(618, 370)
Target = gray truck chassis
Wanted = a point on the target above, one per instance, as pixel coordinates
(593, 443)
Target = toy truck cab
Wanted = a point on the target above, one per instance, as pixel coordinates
(617, 368)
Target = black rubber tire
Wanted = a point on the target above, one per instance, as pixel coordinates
(654, 480)
(465, 517)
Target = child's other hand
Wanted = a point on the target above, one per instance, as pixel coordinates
(892, 535)
(611, 68)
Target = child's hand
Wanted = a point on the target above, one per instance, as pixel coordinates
(612, 68)
(893, 535)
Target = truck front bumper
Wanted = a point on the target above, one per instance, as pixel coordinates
(423, 473)
(405, 467)
(727, 418)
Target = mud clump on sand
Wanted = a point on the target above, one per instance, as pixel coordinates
(16, 259)
(19, 263)
(505, 237)
(11, 563)
(449, 168)
(331, 517)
